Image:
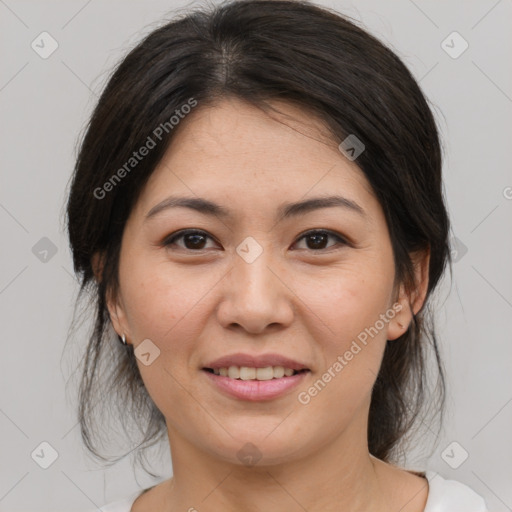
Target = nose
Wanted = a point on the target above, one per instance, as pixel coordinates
(256, 296)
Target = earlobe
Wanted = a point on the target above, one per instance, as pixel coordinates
(421, 261)
(97, 266)
(116, 313)
(114, 316)
(411, 303)
(399, 324)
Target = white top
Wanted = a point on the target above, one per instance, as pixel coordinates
(443, 496)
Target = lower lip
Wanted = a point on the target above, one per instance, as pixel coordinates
(256, 390)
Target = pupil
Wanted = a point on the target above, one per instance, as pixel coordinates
(195, 236)
(316, 237)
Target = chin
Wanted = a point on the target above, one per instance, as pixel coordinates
(259, 447)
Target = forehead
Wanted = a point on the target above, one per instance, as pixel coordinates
(235, 154)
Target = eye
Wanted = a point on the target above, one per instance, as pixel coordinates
(195, 239)
(319, 237)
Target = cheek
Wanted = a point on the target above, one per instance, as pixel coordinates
(351, 347)
(347, 303)
(163, 305)
(159, 302)
(351, 334)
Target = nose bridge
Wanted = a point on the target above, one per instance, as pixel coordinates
(252, 264)
(254, 296)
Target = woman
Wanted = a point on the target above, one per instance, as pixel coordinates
(257, 208)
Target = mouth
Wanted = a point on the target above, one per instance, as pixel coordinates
(255, 384)
(251, 373)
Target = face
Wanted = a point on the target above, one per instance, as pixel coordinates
(313, 285)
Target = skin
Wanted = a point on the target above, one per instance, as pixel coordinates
(295, 299)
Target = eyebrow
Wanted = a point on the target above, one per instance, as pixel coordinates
(285, 211)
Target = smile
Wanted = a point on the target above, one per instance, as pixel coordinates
(255, 384)
(251, 373)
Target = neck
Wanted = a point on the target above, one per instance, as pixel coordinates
(341, 475)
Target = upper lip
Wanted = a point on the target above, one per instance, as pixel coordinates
(253, 361)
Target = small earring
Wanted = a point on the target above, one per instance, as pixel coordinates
(123, 339)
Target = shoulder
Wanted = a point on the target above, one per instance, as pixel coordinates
(151, 498)
(123, 505)
(451, 496)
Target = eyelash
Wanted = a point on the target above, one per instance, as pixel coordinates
(180, 234)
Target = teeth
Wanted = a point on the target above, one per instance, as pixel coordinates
(279, 372)
(247, 373)
(233, 372)
(265, 373)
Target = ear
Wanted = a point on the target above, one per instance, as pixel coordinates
(115, 309)
(412, 302)
(97, 265)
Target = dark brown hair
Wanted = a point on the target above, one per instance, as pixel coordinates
(259, 51)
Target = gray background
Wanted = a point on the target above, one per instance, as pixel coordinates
(44, 104)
